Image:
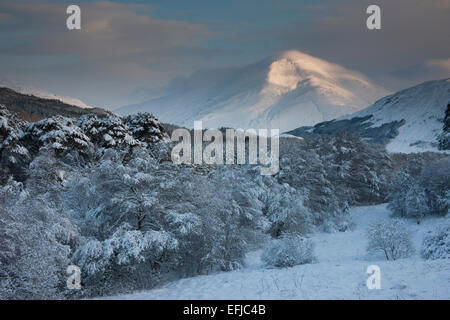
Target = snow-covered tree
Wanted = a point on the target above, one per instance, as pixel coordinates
(391, 237)
(397, 195)
(335, 172)
(33, 255)
(60, 133)
(146, 128)
(13, 155)
(435, 180)
(128, 257)
(416, 202)
(444, 137)
(285, 210)
(436, 244)
(421, 191)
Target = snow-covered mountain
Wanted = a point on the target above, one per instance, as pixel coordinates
(283, 91)
(24, 89)
(412, 120)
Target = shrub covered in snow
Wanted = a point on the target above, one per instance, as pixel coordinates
(340, 224)
(128, 258)
(288, 251)
(390, 237)
(436, 245)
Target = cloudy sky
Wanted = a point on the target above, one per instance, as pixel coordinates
(127, 50)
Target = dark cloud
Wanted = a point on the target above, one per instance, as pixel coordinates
(413, 32)
(117, 43)
(123, 52)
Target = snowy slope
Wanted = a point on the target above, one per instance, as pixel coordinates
(340, 272)
(421, 107)
(41, 93)
(282, 91)
(411, 120)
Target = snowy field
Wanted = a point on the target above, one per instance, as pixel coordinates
(340, 272)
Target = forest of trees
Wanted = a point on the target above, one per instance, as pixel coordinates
(101, 193)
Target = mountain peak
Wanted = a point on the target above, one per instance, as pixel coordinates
(281, 91)
(300, 58)
(311, 66)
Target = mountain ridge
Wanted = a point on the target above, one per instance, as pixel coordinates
(32, 108)
(272, 93)
(411, 120)
(40, 93)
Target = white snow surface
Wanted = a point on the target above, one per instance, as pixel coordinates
(340, 272)
(423, 109)
(285, 91)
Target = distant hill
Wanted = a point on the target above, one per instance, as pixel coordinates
(40, 93)
(32, 108)
(416, 119)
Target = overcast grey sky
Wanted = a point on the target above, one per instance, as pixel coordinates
(126, 50)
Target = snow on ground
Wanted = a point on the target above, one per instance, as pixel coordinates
(340, 272)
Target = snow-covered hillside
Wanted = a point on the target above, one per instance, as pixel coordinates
(283, 91)
(340, 272)
(24, 89)
(421, 107)
(411, 120)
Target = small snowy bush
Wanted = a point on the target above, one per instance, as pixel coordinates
(390, 237)
(339, 223)
(436, 245)
(288, 251)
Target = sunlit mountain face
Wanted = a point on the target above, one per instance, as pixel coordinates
(283, 91)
